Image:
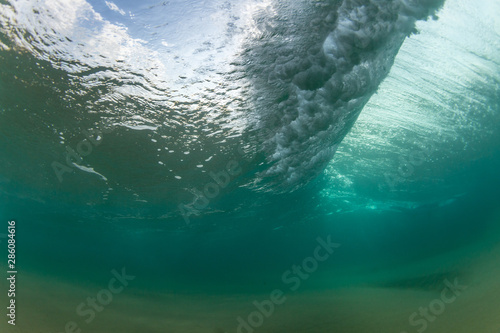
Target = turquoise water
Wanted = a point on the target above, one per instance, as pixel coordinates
(211, 149)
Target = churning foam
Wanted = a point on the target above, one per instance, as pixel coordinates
(310, 85)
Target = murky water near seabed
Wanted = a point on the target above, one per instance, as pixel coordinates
(250, 166)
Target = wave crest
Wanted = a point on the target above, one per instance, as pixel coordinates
(313, 78)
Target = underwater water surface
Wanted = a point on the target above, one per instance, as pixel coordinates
(250, 166)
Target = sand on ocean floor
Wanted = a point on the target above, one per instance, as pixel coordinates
(383, 303)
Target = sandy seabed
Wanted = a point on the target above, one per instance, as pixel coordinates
(381, 302)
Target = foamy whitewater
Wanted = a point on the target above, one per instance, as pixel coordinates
(250, 166)
(284, 79)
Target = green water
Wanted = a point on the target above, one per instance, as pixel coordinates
(210, 150)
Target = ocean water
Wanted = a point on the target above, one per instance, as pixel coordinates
(250, 166)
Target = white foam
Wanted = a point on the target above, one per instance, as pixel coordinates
(326, 80)
(90, 170)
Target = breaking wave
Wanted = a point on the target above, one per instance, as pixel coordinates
(144, 109)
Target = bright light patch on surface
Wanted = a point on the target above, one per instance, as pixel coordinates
(115, 8)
